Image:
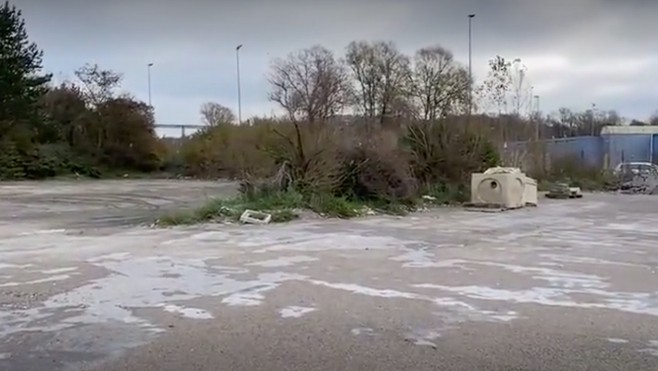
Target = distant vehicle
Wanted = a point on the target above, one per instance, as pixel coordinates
(626, 169)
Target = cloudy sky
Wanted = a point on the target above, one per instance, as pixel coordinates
(577, 52)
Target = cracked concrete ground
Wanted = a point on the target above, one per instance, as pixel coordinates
(570, 285)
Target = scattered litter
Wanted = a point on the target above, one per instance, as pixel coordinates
(369, 211)
(255, 217)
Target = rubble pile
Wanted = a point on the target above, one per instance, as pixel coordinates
(639, 184)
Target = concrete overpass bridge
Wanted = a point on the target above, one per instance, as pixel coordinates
(182, 127)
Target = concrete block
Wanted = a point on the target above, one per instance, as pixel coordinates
(530, 192)
(255, 217)
(501, 189)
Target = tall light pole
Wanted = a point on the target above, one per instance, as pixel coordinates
(538, 118)
(591, 132)
(148, 72)
(237, 58)
(470, 66)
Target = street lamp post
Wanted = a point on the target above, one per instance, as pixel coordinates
(470, 66)
(237, 57)
(591, 125)
(148, 72)
(537, 118)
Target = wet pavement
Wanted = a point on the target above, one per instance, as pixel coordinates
(570, 285)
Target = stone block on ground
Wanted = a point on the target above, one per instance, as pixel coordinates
(255, 217)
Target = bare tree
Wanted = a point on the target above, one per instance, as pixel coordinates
(310, 84)
(98, 91)
(213, 114)
(567, 123)
(495, 89)
(440, 84)
(99, 86)
(653, 121)
(382, 77)
(612, 117)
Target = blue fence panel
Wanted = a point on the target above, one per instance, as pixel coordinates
(627, 148)
(588, 149)
(605, 151)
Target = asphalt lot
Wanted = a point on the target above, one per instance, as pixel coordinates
(570, 285)
(90, 205)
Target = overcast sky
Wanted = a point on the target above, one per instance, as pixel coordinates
(578, 52)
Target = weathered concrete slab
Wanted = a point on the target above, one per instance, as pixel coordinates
(568, 285)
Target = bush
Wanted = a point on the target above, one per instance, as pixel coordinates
(444, 154)
(72, 138)
(571, 170)
(11, 162)
(332, 206)
(336, 170)
(369, 174)
(229, 151)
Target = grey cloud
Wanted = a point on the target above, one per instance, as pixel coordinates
(581, 49)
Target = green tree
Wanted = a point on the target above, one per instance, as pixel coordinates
(21, 81)
(129, 139)
(64, 108)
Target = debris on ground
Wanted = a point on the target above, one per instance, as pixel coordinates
(564, 191)
(637, 178)
(255, 217)
(369, 211)
(639, 184)
(485, 208)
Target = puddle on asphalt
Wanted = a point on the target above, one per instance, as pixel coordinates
(452, 310)
(630, 302)
(424, 259)
(193, 313)
(166, 283)
(424, 337)
(137, 282)
(252, 296)
(652, 349)
(283, 261)
(365, 331)
(295, 311)
(59, 270)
